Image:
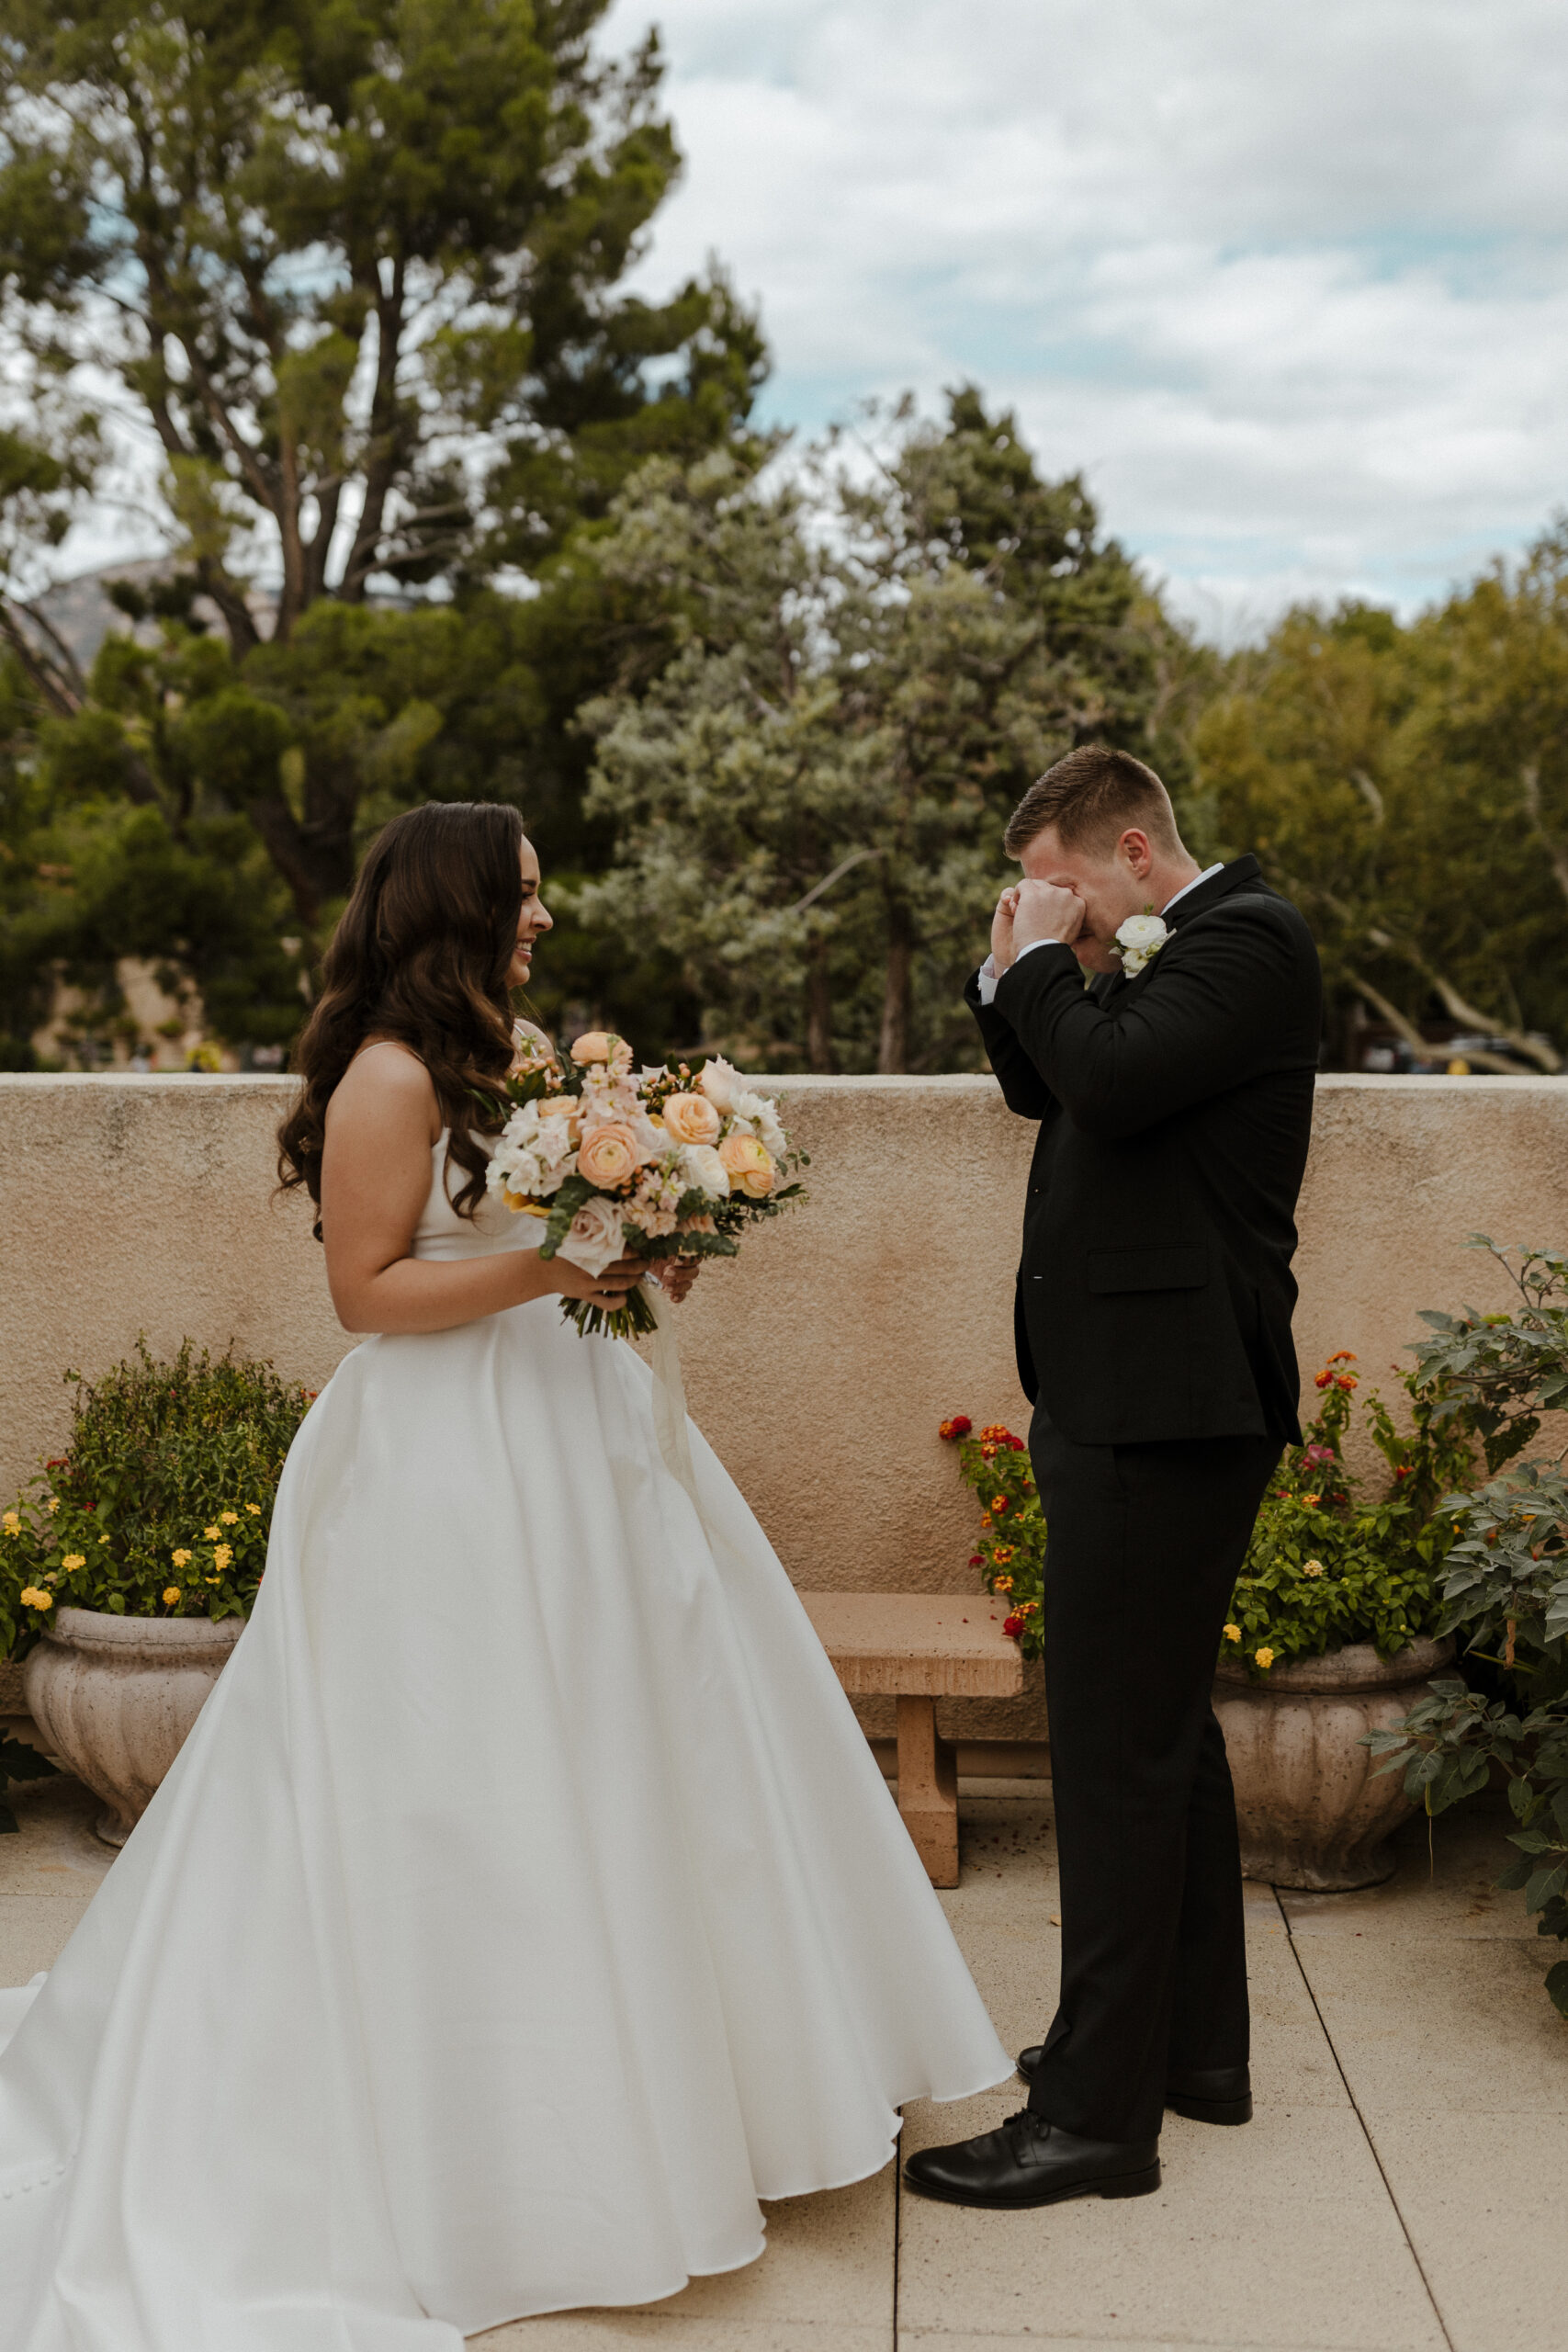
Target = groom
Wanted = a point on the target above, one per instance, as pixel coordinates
(1153, 1326)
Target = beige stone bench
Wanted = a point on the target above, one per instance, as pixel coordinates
(919, 1647)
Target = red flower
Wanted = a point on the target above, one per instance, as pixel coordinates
(998, 1503)
(1013, 1625)
(960, 1425)
(1324, 1380)
(1405, 1471)
(58, 1464)
(976, 1560)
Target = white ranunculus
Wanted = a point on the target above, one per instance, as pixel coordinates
(701, 1167)
(1140, 938)
(595, 1237)
(720, 1081)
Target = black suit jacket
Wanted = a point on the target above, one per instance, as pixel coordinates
(1154, 1293)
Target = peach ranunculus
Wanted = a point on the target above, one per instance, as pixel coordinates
(608, 1155)
(593, 1046)
(691, 1118)
(748, 1164)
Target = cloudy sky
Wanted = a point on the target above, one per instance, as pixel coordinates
(1289, 283)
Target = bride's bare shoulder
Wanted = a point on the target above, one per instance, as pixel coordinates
(386, 1083)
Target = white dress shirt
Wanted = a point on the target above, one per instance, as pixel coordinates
(989, 974)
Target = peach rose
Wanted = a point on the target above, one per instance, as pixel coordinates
(749, 1165)
(691, 1118)
(608, 1155)
(593, 1046)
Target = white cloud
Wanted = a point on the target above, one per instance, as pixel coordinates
(1290, 285)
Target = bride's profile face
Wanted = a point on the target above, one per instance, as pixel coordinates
(532, 922)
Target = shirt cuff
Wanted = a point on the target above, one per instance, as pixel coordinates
(989, 974)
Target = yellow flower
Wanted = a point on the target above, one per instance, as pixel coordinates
(74, 1560)
(31, 1597)
(254, 1509)
(1311, 1501)
(1265, 1657)
(212, 1579)
(103, 1539)
(223, 1554)
(228, 1518)
(1313, 1568)
(171, 1594)
(12, 1522)
(181, 1559)
(1233, 1633)
(53, 1503)
(210, 1533)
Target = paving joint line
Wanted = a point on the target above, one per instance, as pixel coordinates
(1366, 2128)
(897, 2224)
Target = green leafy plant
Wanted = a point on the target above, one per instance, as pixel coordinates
(1327, 1567)
(1504, 1586)
(162, 1502)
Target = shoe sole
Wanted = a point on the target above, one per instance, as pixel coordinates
(1212, 2110)
(1197, 2110)
(1122, 2184)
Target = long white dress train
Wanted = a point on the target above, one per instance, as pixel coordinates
(524, 1905)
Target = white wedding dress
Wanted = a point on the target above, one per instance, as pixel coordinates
(524, 1905)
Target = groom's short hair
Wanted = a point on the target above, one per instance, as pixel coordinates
(1090, 798)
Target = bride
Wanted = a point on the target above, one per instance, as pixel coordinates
(527, 1902)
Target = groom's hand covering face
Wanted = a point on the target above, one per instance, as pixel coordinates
(1081, 899)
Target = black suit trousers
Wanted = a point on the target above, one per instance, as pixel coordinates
(1146, 1542)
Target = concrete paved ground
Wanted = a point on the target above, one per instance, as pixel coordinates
(1400, 2191)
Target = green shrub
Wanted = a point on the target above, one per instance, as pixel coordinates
(162, 1502)
(1327, 1566)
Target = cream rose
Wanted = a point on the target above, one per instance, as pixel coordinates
(720, 1081)
(748, 1164)
(608, 1155)
(595, 1238)
(701, 1167)
(593, 1046)
(691, 1118)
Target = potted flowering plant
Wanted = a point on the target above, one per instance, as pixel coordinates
(1333, 1628)
(129, 1565)
(1011, 1557)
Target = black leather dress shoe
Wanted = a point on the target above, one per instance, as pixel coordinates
(1216, 2095)
(1030, 2161)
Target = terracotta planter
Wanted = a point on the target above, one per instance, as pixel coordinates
(1310, 1810)
(114, 1698)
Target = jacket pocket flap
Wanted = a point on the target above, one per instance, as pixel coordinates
(1169, 1269)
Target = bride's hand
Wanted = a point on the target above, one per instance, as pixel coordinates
(676, 1276)
(607, 1290)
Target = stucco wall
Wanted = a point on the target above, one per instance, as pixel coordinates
(819, 1365)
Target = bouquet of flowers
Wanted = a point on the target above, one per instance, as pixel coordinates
(645, 1163)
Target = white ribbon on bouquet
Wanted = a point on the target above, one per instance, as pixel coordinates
(670, 1392)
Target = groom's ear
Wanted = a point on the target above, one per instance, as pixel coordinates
(1134, 850)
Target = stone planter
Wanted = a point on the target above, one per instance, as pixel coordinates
(1312, 1814)
(114, 1698)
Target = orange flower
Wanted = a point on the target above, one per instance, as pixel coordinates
(1346, 1355)
(608, 1155)
(1347, 1380)
(1311, 1501)
(1005, 1552)
(1324, 1380)
(1002, 1584)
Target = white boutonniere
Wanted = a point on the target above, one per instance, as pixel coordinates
(1139, 941)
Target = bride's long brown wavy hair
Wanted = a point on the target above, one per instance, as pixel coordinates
(421, 955)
